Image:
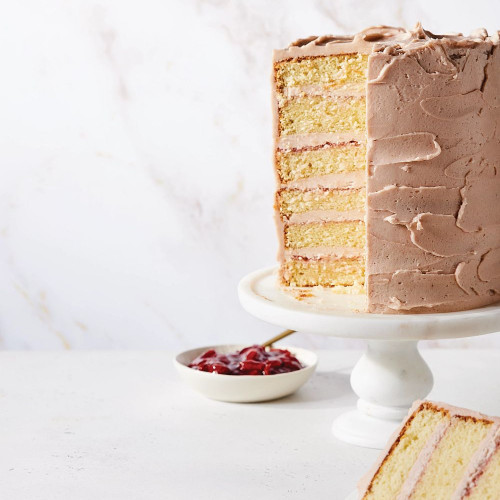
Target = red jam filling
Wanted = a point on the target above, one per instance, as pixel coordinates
(253, 360)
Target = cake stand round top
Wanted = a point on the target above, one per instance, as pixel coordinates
(321, 311)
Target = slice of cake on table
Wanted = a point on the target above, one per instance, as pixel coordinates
(387, 148)
(440, 453)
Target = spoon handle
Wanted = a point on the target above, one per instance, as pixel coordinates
(282, 335)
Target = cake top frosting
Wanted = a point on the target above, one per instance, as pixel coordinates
(377, 39)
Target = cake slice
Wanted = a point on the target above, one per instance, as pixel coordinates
(440, 452)
(386, 156)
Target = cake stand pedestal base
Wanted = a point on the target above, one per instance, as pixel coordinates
(387, 379)
(391, 374)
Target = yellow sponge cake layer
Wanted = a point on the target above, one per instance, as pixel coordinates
(335, 234)
(305, 115)
(392, 473)
(449, 461)
(330, 159)
(292, 201)
(328, 71)
(488, 484)
(328, 272)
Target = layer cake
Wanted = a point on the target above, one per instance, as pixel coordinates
(440, 452)
(387, 149)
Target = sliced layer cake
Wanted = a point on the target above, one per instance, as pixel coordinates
(386, 158)
(321, 168)
(440, 453)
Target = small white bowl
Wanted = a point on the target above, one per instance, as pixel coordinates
(244, 388)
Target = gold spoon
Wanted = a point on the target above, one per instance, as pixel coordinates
(280, 336)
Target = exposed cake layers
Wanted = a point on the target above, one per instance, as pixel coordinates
(416, 115)
(320, 159)
(440, 452)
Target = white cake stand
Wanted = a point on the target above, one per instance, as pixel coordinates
(391, 374)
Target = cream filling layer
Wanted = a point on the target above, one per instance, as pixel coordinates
(325, 216)
(348, 90)
(420, 465)
(299, 141)
(329, 181)
(324, 251)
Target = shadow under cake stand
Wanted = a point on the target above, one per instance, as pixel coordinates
(391, 374)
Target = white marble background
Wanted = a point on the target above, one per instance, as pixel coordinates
(135, 155)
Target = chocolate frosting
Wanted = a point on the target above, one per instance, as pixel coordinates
(433, 172)
(333, 44)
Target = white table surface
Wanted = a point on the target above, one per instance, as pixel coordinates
(120, 425)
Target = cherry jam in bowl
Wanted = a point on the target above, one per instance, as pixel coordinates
(245, 374)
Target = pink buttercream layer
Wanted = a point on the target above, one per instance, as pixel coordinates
(420, 465)
(320, 252)
(354, 90)
(299, 141)
(325, 216)
(329, 181)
